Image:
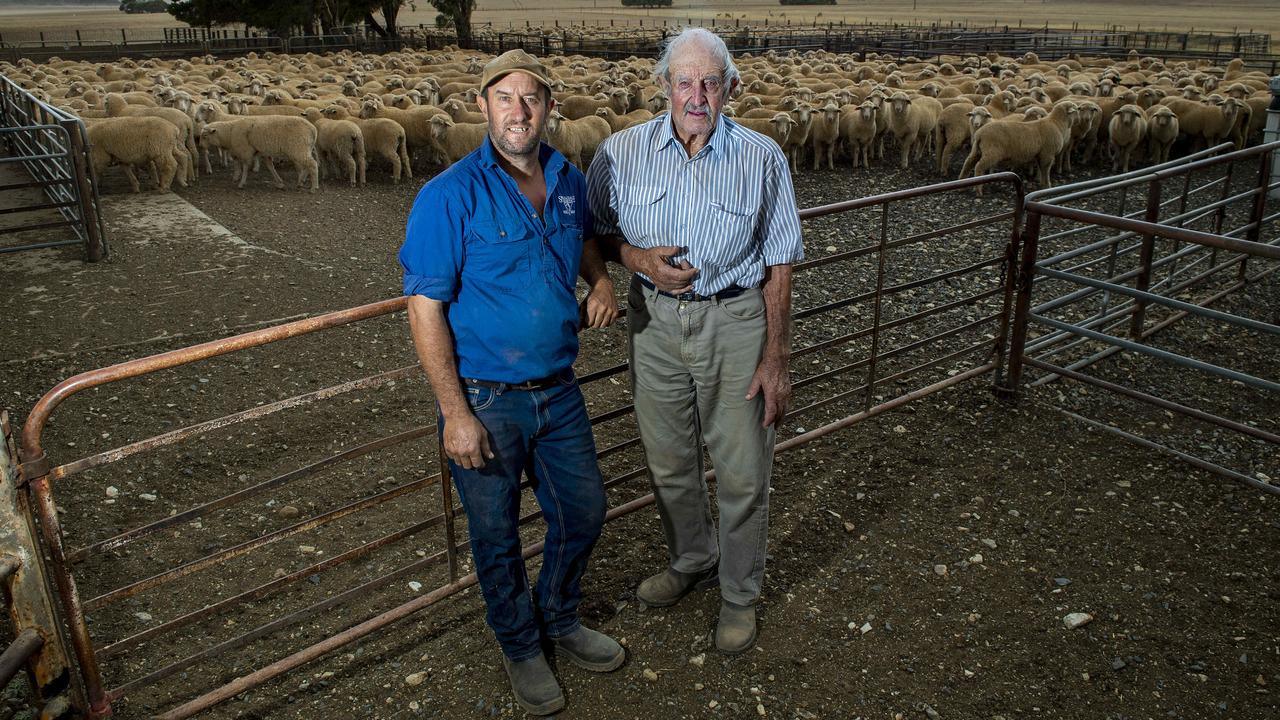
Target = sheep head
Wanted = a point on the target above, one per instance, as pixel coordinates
(782, 123)
(978, 117)
(440, 124)
(555, 122)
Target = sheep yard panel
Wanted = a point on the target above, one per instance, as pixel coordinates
(46, 158)
(230, 578)
(1099, 283)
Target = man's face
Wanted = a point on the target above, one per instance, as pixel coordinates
(516, 107)
(697, 92)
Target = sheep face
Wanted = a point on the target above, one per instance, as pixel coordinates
(978, 117)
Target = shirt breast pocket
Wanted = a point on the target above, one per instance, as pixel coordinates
(639, 212)
(498, 254)
(732, 221)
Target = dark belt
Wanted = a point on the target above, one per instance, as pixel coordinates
(730, 292)
(541, 384)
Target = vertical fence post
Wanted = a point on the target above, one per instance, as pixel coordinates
(1259, 207)
(1022, 304)
(95, 245)
(882, 252)
(1009, 278)
(30, 604)
(1143, 281)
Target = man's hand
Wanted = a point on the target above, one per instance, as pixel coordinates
(772, 378)
(599, 308)
(656, 262)
(466, 441)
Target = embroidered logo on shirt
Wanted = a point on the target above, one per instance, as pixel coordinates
(567, 203)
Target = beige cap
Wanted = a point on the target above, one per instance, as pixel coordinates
(514, 61)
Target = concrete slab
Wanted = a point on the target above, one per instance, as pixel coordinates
(173, 272)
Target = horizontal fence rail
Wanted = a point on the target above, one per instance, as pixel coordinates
(1174, 240)
(915, 328)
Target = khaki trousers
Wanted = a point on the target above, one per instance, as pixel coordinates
(691, 366)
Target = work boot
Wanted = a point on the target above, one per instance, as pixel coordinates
(736, 631)
(533, 685)
(589, 649)
(667, 587)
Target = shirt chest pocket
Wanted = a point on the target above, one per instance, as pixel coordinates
(732, 220)
(640, 211)
(498, 254)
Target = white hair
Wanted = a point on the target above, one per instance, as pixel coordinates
(708, 40)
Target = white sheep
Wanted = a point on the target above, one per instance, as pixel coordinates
(268, 137)
(456, 140)
(117, 107)
(825, 133)
(1162, 130)
(1127, 130)
(907, 121)
(1208, 123)
(799, 135)
(138, 142)
(953, 131)
(383, 138)
(622, 122)
(776, 128)
(858, 128)
(340, 144)
(1021, 143)
(577, 139)
(417, 123)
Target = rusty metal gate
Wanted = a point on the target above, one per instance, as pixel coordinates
(1110, 264)
(51, 148)
(202, 577)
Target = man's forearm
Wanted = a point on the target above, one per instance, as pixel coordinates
(592, 267)
(615, 248)
(777, 311)
(434, 344)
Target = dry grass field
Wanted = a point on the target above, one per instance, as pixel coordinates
(1174, 15)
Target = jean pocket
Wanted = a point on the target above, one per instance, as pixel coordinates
(747, 306)
(480, 398)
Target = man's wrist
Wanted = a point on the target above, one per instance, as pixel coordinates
(629, 255)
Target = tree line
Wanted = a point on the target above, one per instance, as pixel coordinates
(318, 17)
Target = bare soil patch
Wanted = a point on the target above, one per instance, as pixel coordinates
(1176, 566)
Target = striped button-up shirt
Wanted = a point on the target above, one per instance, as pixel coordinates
(731, 204)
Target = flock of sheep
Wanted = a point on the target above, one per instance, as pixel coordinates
(334, 114)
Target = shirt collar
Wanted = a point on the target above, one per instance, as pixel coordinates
(718, 142)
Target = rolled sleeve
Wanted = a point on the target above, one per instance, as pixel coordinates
(432, 251)
(781, 243)
(600, 198)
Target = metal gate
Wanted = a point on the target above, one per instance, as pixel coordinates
(147, 595)
(52, 147)
(1109, 265)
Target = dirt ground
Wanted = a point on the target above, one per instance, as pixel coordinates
(920, 563)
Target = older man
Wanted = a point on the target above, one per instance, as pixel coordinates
(702, 210)
(491, 254)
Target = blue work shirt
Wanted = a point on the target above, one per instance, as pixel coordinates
(474, 241)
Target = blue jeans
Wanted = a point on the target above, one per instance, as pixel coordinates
(546, 435)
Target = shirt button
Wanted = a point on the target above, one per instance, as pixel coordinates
(502, 233)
